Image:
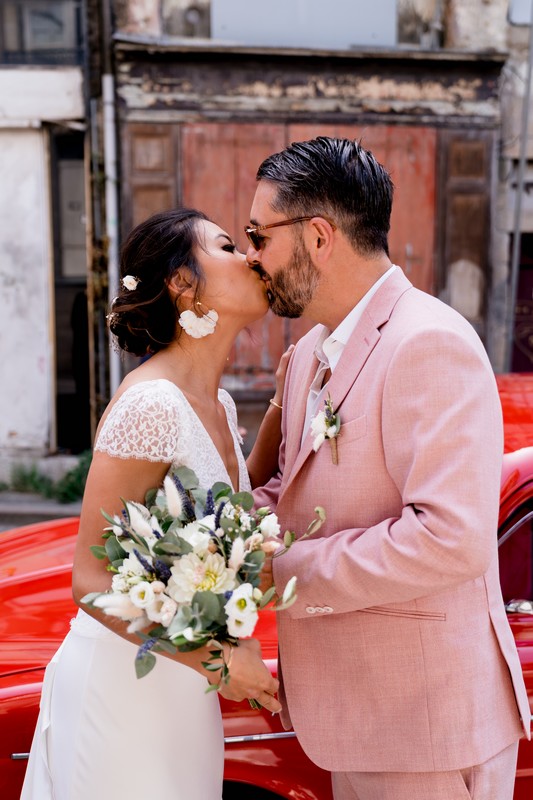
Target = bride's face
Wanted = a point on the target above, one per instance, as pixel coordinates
(231, 287)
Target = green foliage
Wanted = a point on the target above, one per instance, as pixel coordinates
(66, 490)
(29, 479)
(72, 485)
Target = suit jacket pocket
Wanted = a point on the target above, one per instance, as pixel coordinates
(352, 430)
(406, 613)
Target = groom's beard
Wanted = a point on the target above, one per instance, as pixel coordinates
(293, 287)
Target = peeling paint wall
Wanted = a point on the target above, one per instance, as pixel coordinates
(26, 347)
(476, 24)
(29, 98)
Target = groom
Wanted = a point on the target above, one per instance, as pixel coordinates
(399, 670)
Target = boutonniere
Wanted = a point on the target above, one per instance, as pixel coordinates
(326, 425)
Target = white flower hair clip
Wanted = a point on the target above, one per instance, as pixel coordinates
(130, 282)
(326, 425)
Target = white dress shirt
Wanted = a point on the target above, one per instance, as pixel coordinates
(329, 349)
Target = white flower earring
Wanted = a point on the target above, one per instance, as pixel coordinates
(198, 327)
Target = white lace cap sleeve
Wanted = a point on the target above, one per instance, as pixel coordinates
(231, 411)
(143, 423)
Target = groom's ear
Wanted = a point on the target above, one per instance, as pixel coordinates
(322, 234)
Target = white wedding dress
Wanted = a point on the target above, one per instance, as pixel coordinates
(103, 734)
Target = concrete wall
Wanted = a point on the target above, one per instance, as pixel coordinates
(29, 98)
(25, 289)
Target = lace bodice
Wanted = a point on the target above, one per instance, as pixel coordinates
(153, 420)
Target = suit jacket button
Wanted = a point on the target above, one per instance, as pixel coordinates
(319, 610)
(310, 609)
(327, 609)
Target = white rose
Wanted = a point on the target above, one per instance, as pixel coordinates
(196, 535)
(245, 521)
(269, 526)
(142, 594)
(132, 569)
(168, 611)
(241, 611)
(119, 583)
(318, 423)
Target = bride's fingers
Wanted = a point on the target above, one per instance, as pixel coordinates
(268, 701)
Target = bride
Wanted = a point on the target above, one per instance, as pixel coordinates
(102, 733)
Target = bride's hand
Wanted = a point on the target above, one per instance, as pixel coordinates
(249, 678)
(281, 372)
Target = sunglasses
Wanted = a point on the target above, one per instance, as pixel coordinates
(255, 238)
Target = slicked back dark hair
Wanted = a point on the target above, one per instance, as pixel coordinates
(144, 320)
(338, 179)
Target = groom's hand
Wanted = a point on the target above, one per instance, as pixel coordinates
(249, 678)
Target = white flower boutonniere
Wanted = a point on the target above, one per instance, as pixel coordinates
(326, 425)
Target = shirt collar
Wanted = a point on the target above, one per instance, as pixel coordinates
(331, 344)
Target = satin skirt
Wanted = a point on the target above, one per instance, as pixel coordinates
(102, 733)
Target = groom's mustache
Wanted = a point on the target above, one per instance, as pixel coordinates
(263, 274)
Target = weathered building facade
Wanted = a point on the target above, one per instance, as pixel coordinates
(177, 103)
(196, 117)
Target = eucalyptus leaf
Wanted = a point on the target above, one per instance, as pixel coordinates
(243, 499)
(207, 604)
(220, 490)
(150, 497)
(255, 559)
(114, 550)
(267, 597)
(187, 477)
(163, 646)
(144, 664)
(281, 606)
(110, 519)
(99, 551)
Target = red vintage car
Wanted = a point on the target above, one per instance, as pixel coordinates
(263, 762)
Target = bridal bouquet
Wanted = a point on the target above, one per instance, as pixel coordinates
(188, 562)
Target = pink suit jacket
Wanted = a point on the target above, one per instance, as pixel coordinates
(397, 655)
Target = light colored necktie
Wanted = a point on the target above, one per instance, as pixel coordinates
(316, 393)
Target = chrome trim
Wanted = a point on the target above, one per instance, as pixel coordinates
(511, 530)
(19, 756)
(259, 737)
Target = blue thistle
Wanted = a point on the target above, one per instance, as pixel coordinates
(162, 570)
(218, 515)
(209, 504)
(146, 564)
(146, 647)
(187, 505)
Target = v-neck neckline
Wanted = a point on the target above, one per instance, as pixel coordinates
(201, 424)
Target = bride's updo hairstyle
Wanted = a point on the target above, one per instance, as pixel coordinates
(143, 318)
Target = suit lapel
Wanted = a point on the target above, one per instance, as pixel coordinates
(299, 390)
(354, 356)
